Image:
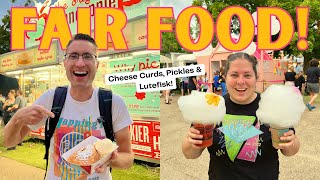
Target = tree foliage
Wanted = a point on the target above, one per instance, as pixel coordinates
(5, 34)
(169, 41)
(5, 30)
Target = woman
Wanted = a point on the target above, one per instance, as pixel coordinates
(313, 74)
(290, 76)
(206, 84)
(241, 160)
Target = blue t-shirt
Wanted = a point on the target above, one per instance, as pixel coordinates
(216, 81)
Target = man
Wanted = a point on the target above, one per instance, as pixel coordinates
(20, 102)
(183, 85)
(78, 117)
(313, 75)
(298, 68)
(192, 84)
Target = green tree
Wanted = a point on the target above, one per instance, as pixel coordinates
(5, 34)
(169, 41)
(5, 30)
(215, 7)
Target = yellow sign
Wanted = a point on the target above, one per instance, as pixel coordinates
(29, 58)
(7, 63)
(24, 58)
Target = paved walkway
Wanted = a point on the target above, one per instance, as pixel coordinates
(174, 166)
(13, 170)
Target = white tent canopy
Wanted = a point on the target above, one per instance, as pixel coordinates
(164, 59)
(186, 57)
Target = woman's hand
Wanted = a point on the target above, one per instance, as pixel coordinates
(288, 140)
(292, 146)
(194, 138)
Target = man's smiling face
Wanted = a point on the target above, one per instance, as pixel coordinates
(81, 72)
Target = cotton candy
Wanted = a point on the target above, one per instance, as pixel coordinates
(196, 108)
(280, 106)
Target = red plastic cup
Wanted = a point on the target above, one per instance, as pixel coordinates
(207, 131)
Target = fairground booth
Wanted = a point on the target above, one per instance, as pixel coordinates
(37, 70)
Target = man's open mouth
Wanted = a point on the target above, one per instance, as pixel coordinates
(80, 73)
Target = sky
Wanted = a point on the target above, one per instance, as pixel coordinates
(6, 5)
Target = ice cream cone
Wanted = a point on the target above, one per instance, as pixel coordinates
(207, 131)
(276, 133)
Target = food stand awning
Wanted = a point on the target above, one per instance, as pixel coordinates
(187, 58)
(164, 59)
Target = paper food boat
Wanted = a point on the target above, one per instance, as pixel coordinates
(90, 169)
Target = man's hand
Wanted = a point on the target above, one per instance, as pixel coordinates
(102, 168)
(32, 115)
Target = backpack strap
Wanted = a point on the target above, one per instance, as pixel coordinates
(105, 108)
(60, 95)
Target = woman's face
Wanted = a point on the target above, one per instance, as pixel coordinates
(10, 95)
(241, 81)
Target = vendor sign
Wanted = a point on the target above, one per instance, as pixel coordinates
(144, 104)
(145, 138)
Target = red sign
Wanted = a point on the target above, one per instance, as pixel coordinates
(38, 133)
(145, 138)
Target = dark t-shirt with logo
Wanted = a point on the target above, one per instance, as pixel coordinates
(313, 74)
(253, 158)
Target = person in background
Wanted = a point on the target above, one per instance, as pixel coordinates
(2, 100)
(184, 85)
(289, 76)
(298, 68)
(299, 81)
(216, 82)
(20, 102)
(206, 85)
(200, 82)
(192, 84)
(313, 74)
(7, 110)
(167, 94)
(222, 81)
(31, 96)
